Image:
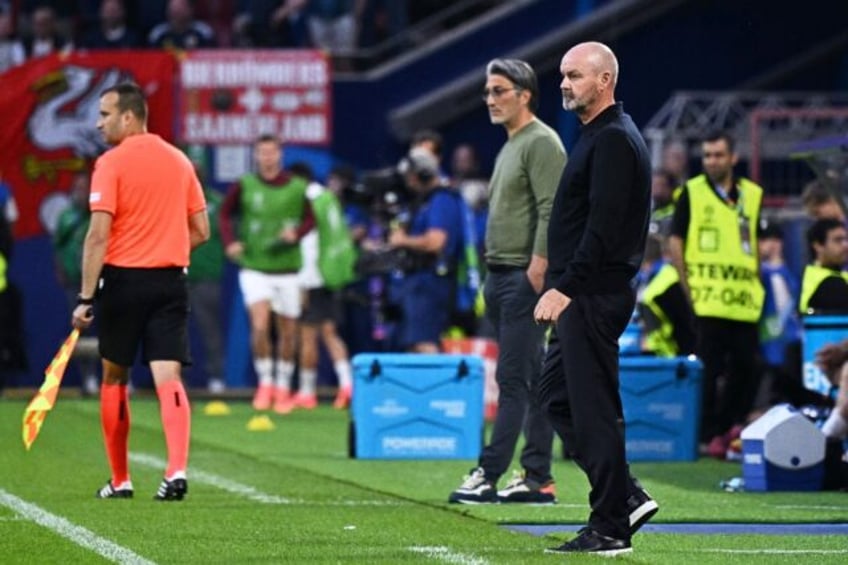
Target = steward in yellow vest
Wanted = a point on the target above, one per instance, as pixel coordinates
(721, 252)
(824, 287)
(666, 316)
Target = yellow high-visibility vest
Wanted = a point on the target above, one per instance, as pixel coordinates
(722, 267)
(813, 277)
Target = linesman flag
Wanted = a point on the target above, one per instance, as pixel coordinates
(45, 398)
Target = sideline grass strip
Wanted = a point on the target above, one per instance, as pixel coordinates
(304, 461)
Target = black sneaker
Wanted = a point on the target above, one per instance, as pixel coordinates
(590, 541)
(475, 489)
(125, 490)
(524, 490)
(174, 489)
(640, 508)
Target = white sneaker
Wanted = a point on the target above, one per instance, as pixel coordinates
(475, 489)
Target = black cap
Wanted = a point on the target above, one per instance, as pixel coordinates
(769, 230)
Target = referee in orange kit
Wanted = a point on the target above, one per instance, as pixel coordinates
(147, 213)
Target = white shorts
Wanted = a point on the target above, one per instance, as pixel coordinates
(283, 291)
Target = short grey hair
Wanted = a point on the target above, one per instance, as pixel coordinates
(520, 73)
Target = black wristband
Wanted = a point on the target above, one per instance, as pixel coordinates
(81, 301)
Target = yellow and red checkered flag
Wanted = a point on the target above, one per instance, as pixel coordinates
(45, 398)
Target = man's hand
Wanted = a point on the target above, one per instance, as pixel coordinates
(82, 317)
(234, 251)
(830, 359)
(397, 238)
(288, 235)
(536, 272)
(550, 306)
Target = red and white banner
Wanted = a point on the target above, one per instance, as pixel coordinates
(233, 97)
(49, 108)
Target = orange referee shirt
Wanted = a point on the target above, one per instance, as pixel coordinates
(150, 189)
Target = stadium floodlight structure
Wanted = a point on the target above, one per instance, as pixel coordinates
(767, 125)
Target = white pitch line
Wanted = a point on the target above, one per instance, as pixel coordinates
(809, 507)
(444, 554)
(77, 534)
(778, 551)
(247, 491)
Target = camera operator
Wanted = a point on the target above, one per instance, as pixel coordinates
(432, 246)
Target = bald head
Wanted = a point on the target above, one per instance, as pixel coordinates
(589, 74)
(599, 57)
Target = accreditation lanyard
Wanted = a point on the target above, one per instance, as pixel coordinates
(739, 206)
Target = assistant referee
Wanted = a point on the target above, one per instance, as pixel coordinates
(147, 213)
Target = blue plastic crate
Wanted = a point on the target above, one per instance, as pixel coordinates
(409, 406)
(661, 398)
(819, 330)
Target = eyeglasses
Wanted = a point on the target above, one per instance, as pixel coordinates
(496, 92)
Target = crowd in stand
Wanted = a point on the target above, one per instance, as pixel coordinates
(34, 28)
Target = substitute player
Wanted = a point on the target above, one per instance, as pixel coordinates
(147, 213)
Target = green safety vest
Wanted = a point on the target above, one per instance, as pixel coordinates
(721, 252)
(660, 341)
(813, 277)
(265, 211)
(336, 252)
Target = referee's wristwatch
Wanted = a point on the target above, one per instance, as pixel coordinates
(83, 301)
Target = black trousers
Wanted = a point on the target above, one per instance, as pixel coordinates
(728, 349)
(579, 389)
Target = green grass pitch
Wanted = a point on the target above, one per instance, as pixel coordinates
(291, 495)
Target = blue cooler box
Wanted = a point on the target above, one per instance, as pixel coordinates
(818, 332)
(411, 406)
(661, 398)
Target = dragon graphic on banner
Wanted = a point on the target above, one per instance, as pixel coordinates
(49, 107)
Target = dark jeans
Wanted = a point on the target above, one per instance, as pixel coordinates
(509, 305)
(727, 348)
(579, 390)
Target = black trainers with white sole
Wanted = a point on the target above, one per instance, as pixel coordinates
(640, 508)
(475, 489)
(174, 489)
(590, 541)
(125, 490)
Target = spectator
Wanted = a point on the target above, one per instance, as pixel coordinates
(204, 283)
(273, 214)
(8, 206)
(181, 30)
(112, 31)
(833, 360)
(824, 286)
(714, 232)
(71, 228)
(45, 38)
(780, 325)
(820, 202)
(474, 189)
(334, 24)
(432, 243)
(521, 194)
(11, 49)
(665, 316)
(662, 202)
(675, 161)
(271, 23)
(825, 289)
(12, 350)
(328, 260)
